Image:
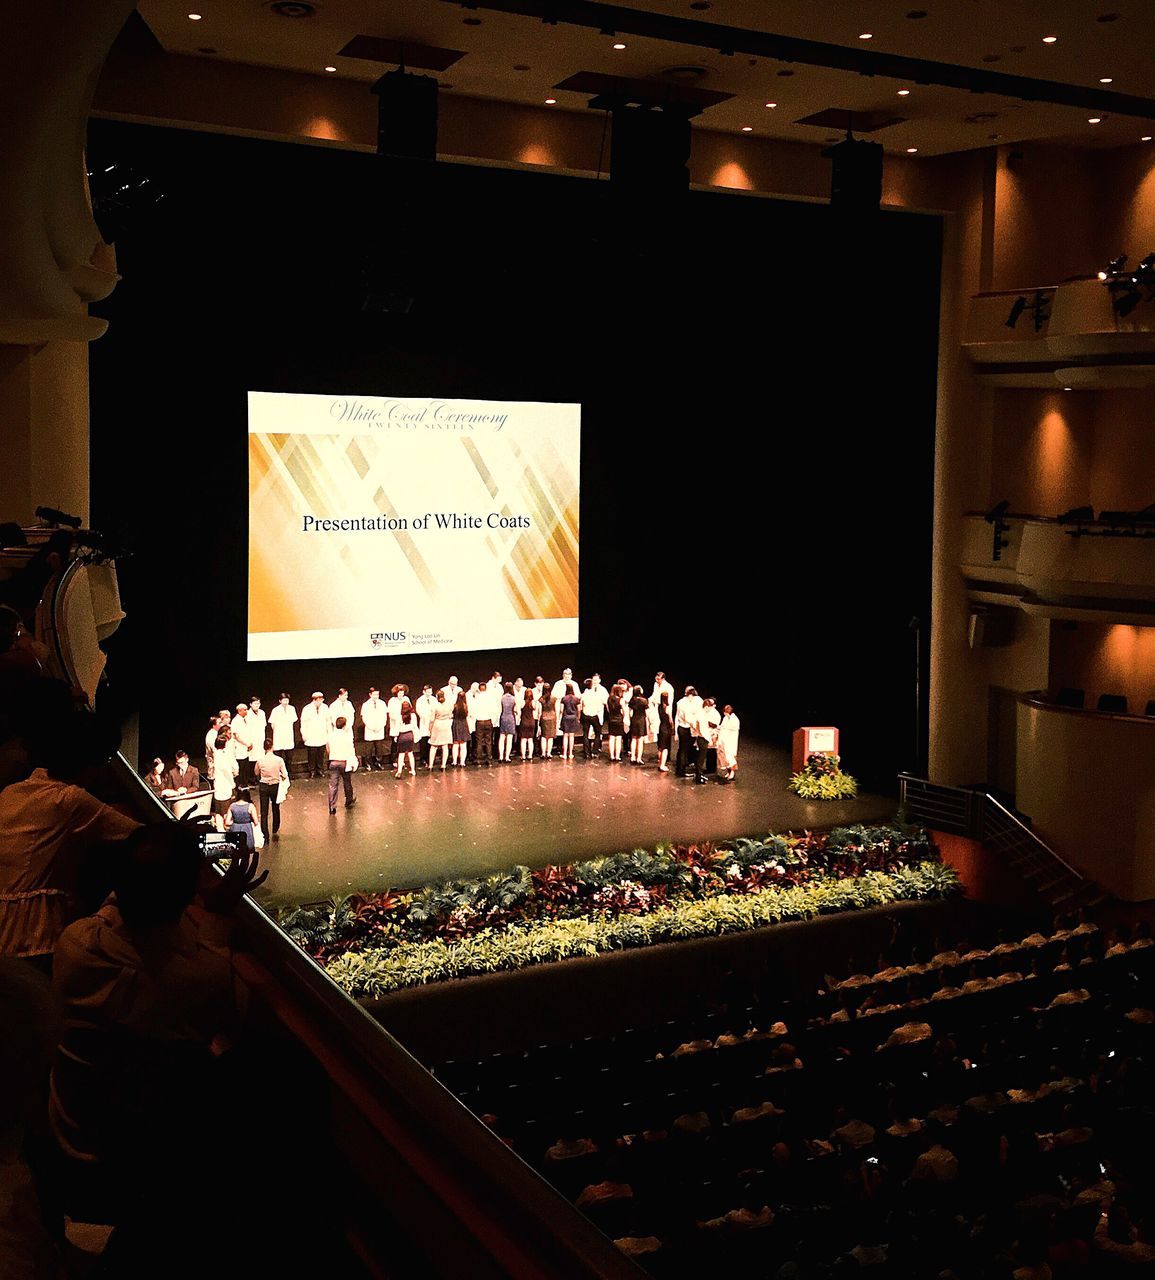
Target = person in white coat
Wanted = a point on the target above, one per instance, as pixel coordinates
(244, 744)
(282, 725)
(341, 706)
(375, 720)
(315, 726)
(425, 707)
(728, 744)
(342, 762)
(398, 696)
(260, 729)
(224, 778)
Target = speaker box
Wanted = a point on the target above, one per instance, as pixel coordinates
(406, 115)
(989, 630)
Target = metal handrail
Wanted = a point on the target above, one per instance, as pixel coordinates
(977, 809)
(1024, 833)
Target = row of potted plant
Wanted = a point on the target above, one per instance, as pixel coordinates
(379, 942)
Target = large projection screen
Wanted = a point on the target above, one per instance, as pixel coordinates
(383, 525)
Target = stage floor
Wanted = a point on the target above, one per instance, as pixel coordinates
(468, 821)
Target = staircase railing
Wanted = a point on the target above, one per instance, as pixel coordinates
(975, 813)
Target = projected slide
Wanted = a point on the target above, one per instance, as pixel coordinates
(382, 525)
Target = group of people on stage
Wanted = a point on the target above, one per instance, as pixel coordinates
(492, 719)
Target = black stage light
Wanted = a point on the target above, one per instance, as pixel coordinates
(121, 196)
(856, 175)
(994, 517)
(997, 511)
(1077, 515)
(650, 148)
(406, 115)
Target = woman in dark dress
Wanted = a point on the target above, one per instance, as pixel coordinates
(507, 725)
(527, 726)
(570, 722)
(548, 723)
(406, 743)
(639, 704)
(665, 732)
(615, 723)
(460, 729)
(242, 817)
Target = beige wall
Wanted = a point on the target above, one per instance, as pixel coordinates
(1105, 658)
(1088, 784)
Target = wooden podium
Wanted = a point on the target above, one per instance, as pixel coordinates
(813, 740)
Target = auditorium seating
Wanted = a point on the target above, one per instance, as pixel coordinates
(918, 1088)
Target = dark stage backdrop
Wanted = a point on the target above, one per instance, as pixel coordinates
(758, 394)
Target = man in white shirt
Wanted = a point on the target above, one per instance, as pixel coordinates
(398, 695)
(424, 707)
(705, 730)
(260, 728)
(243, 744)
(374, 718)
(341, 706)
(593, 702)
(315, 725)
(451, 691)
(562, 687)
(342, 762)
(220, 721)
(282, 719)
(662, 685)
(685, 722)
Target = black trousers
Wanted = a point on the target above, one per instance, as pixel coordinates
(268, 793)
(375, 753)
(316, 761)
(591, 735)
(703, 747)
(685, 751)
(338, 776)
(484, 741)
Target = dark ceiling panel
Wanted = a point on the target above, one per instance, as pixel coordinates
(423, 57)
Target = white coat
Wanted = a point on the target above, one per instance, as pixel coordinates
(374, 716)
(315, 723)
(281, 721)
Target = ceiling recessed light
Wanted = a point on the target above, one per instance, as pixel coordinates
(771, 105)
(618, 45)
(866, 35)
(1050, 39)
(747, 128)
(903, 93)
(330, 68)
(911, 150)
(1094, 119)
(1106, 79)
(194, 17)
(549, 102)
(1145, 138)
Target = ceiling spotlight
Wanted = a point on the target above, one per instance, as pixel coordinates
(747, 128)
(771, 105)
(903, 93)
(1094, 119)
(911, 150)
(194, 17)
(618, 45)
(549, 102)
(866, 35)
(1050, 39)
(330, 68)
(1145, 138)
(1106, 79)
